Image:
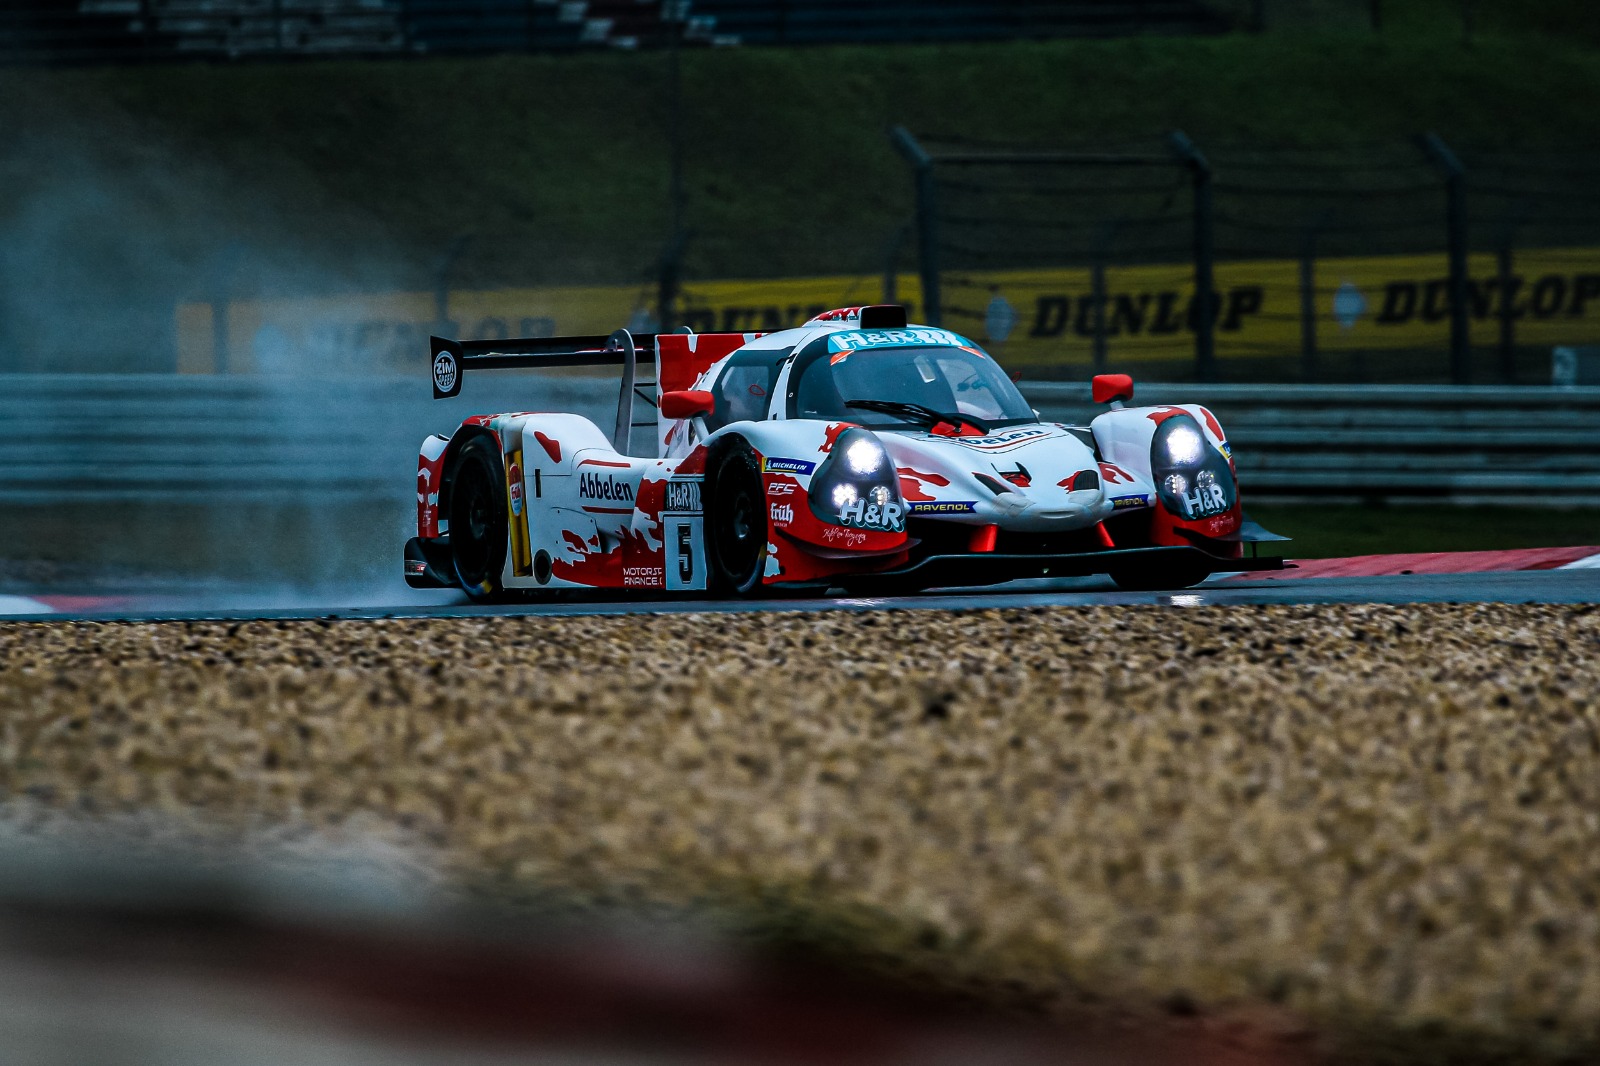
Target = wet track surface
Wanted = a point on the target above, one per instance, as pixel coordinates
(1537, 586)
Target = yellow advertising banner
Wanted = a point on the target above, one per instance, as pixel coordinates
(1029, 318)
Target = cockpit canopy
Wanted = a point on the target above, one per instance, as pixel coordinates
(954, 378)
(906, 374)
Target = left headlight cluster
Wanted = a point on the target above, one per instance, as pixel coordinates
(856, 485)
(1192, 477)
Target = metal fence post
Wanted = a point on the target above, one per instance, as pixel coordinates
(927, 222)
(441, 282)
(1205, 317)
(147, 30)
(669, 283)
(1455, 185)
(1508, 318)
(1097, 290)
(891, 264)
(1308, 305)
(224, 270)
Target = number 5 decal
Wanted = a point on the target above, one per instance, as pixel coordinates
(688, 535)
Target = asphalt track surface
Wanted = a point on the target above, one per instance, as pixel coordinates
(1525, 586)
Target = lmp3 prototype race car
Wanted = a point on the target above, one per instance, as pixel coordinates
(855, 452)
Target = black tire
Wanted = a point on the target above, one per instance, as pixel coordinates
(736, 521)
(1169, 576)
(479, 526)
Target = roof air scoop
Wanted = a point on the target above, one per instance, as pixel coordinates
(872, 316)
(883, 316)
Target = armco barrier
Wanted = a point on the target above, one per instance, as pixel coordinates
(194, 439)
(1476, 445)
(91, 438)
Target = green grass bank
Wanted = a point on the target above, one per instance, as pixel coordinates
(324, 175)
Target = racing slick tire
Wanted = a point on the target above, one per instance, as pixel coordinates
(736, 521)
(479, 526)
(1160, 578)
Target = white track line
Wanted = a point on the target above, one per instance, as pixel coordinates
(23, 605)
(1591, 563)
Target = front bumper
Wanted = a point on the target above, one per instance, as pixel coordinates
(994, 568)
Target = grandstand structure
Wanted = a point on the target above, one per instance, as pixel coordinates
(91, 31)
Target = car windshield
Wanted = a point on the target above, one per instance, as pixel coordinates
(942, 378)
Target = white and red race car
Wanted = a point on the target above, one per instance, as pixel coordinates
(854, 452)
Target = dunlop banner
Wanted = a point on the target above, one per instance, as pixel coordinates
(1029, 318)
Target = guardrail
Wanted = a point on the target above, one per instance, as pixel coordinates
(154, 438)
(106, 438)
(1474, 445)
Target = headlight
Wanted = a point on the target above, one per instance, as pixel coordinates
(1185, 445)
(1192, 477)
(856, 485)
(865, 456)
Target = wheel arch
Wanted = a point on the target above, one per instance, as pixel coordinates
(447, 466)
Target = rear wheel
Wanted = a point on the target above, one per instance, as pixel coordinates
(478, 521)
(736, 521)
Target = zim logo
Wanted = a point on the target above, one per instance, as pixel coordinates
(682, 496)
(444, 372)
(604, 487)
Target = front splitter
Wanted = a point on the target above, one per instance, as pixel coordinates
(995, 568)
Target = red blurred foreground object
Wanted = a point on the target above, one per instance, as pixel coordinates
(238, 964)
(1433, 563)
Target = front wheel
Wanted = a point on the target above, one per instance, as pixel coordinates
(736, 521)
(479, 526)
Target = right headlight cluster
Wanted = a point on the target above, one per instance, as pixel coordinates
(857, 485)
(1192, 476)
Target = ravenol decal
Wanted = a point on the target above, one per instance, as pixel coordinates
(945, 507)
(856, 340)
(1123, 502)
(604, 487)
(682, 496)
(787, 466)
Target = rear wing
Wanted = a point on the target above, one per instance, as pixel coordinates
(680, 359)
(453, 359)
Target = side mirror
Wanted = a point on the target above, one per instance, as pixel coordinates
(1112, 388)
(688, 403)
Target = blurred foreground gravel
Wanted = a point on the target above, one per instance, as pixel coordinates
(1384, 821)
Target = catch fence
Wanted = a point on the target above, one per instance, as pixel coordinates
(1401, 261)
(124, 31)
